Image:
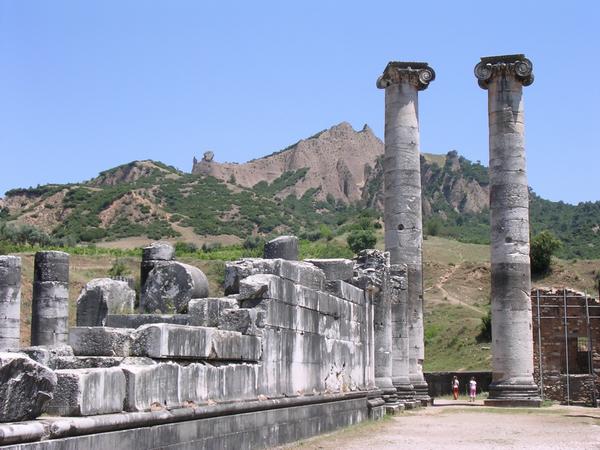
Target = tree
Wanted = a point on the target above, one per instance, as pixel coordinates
(361, 239)
(543, 247)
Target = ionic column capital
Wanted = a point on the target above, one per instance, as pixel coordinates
(508, 65)
(418, 74)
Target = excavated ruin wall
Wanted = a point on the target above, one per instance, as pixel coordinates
(289, 354)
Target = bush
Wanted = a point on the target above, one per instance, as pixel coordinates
(485, 329)
(252, 242)
(119, 268)
(543, 247)
(361, 239)
(182, 248)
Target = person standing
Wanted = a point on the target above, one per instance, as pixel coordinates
(455, 385)
(472, 389)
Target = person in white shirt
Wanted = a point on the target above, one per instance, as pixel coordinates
(472, 389)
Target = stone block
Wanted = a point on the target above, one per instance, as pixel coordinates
(238, 270)
(170, 287)
(257, 287)
(346, 291)
(100, 341)
(101, 297)
(94, 362)
(298, 272)
(25, 387)
(284, 247)
(86, 392)
(137, 320)
(46, 355)
(151, 385)
(188, 342)
(302, 273)
(232, 381)
(245, 320)
(193, 383)
(159, 251)
(205, 312)
(334, 269)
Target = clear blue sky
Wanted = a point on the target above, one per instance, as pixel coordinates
(86, 86)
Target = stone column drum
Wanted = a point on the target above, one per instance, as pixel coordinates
(50, 303)
(151, 255)
(10, 302)
(402, 195)
(400, 344)
(512, 338)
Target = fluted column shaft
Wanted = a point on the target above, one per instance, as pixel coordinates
(402, 197)
(512, 339)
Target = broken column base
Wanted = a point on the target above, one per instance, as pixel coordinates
(415, 404)
(404, 391)
(422, 393)
(376, 407)
(392, 410)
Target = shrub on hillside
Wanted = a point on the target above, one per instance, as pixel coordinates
(543, 247)
(361, 239)
(485, 329)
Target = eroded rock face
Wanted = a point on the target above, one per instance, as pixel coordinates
(25, 387)
(101, 297)
(170, 287)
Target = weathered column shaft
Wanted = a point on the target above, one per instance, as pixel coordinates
(373, 269)
(400, 341)
(512, 339)
(402, 195)
(10, 302)
(50, 302)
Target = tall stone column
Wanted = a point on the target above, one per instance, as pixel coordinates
(512, 338)
(373, 275)
(400, 344)
(50, 302)
(402, 195)
(10, 302)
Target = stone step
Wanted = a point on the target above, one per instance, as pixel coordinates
(165, 341)
(87, 392)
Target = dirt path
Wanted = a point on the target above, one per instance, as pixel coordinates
(449, 297)
(473, 427)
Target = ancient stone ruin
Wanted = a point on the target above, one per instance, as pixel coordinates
(566, 332)
(293, 348)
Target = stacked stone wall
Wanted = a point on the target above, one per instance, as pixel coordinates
(287, 332)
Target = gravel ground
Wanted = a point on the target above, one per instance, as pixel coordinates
(461, 425)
